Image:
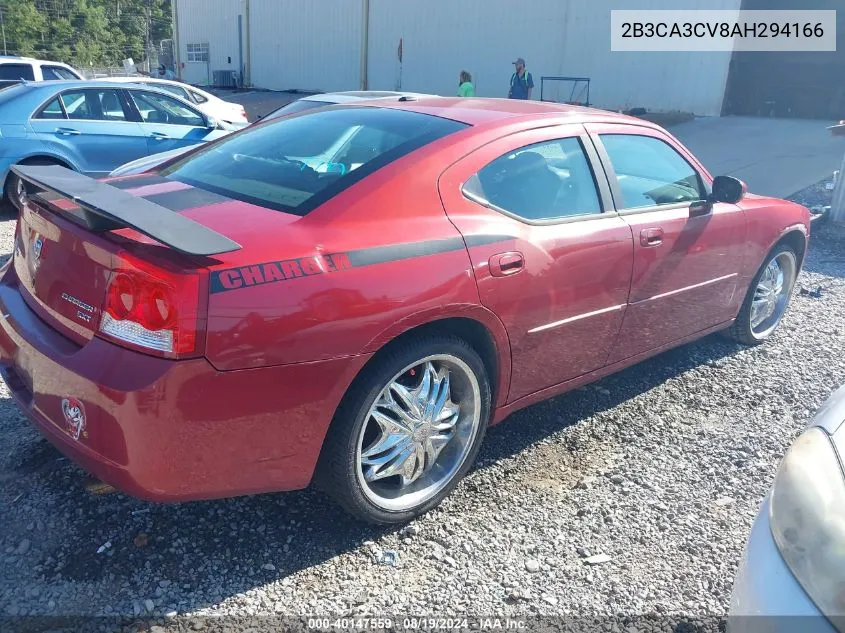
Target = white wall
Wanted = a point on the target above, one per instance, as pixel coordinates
(314, 45)
(556, 37)
(214, 22)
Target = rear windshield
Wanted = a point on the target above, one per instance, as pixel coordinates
(297, 106)
(295, 164)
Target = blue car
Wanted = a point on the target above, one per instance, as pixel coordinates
(92, 127)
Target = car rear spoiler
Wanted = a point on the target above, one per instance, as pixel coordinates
(102, 207)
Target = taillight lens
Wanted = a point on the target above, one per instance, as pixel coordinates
(152, 309)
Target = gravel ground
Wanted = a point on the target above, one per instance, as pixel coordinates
(658, 471)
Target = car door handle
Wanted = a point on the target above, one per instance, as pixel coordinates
(504, 264)
(67, 131)
(159, 136)
(651, 237)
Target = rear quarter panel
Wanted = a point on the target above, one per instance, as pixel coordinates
(373, 262)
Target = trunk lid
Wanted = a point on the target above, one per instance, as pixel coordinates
(63, 271)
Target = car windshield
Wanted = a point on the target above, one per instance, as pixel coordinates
(295, 164)
(297, 106)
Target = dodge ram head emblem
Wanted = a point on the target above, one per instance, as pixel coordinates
(74, 416)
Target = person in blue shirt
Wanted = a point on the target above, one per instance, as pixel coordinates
(521, 81)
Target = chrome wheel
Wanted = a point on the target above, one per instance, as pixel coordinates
(418, 432)
(19, 193)
(772, 293)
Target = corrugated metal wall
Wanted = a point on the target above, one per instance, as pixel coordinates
(556, 37)
(212, 22)
(306, 45)
(317, 45)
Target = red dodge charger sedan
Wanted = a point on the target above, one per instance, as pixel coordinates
(350, 296)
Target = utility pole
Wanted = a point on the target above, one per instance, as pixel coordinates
(3, 28)
(149, 35)
(837, 207)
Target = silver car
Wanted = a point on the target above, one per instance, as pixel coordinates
(792, 575)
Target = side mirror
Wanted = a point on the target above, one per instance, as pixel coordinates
(211, 123)
(728, 189)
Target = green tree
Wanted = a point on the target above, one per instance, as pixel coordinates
(85, 32)
(23, 24)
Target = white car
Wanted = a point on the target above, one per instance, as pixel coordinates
(16, 69)
(232, 114)
(305, 103)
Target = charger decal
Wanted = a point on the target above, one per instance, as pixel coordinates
(285, 270)
(271, 272)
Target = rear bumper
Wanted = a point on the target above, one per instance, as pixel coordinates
(165, 430)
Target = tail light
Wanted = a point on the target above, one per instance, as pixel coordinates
(152, 309)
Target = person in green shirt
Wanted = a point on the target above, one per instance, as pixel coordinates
(465, 87)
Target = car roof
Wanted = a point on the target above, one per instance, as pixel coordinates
(64, 84)
(350, 96)
(476, 111)
(15, 58)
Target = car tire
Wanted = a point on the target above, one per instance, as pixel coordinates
(767, 298)
(389, 411)
(13, 186)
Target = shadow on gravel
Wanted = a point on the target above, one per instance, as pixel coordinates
(531, 425)
(194, 555)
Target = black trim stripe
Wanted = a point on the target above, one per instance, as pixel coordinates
(182, 199)
(285, 270)
(138, 181)
(484, 240)
(398, 252)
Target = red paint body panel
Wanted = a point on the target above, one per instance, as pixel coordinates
(570, 269)
(166, 430)
(294, 315)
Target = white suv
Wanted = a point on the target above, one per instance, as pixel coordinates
(15, 69)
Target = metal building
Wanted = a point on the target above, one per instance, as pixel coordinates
(422, 45)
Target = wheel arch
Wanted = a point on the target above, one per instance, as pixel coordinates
(35, 158)
(796, 238)
(477, 326)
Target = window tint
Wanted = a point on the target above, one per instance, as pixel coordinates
(651, 172)
(93, 105)
(16, 72)
(297, 106)
(158, 108)
(52, 110)
(298, 163)
(197, 97)
(544, 181)
(57, 72)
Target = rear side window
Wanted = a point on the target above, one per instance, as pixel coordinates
(651, 172)
(295, 164)
(545, 181)
(174, 90)
(197, 97)
(16, 72)
(93, 105)
(57, 72)
(52, 110)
